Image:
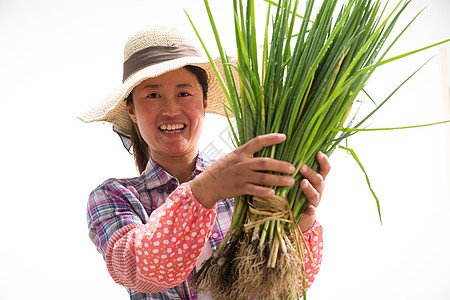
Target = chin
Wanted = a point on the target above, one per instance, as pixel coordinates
(178, 153)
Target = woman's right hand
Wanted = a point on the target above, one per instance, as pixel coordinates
(240, 173)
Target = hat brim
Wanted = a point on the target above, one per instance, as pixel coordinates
(113, 109)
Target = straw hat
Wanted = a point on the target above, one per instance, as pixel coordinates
(150, 53)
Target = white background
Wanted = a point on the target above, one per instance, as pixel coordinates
(58, 58)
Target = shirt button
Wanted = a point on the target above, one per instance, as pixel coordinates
(215, 235)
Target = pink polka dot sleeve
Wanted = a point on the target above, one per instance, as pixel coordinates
(162, 253)
(314, 240)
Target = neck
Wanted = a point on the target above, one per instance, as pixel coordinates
(180, 167)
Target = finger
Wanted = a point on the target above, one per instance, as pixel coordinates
(260, 142)
(270, 179)
(270, 164)
(312, 195)
(258, 191)
(313, 178)
(324, 164)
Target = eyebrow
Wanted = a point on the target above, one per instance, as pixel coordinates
(152, 86)
(184, 85)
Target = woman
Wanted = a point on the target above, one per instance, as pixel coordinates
(155, 230)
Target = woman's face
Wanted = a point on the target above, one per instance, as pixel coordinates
(169, 110)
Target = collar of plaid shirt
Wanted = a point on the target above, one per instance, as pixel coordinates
(155, 176)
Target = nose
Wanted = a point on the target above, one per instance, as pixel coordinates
(171, 107)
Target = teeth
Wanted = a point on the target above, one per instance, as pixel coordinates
(172, 127)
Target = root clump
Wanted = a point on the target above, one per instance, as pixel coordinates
(248, 267)
(215, 276)
(281, 282)
(247, 276)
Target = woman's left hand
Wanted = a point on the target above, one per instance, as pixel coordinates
(313, 185)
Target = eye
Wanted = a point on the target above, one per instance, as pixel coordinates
(153, 95)
(183, 94)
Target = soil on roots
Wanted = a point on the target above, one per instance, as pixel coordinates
(256, 280)
(281, 282)
(215, 276)
(248, 267)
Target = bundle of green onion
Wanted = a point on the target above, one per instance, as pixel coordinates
(304, 86)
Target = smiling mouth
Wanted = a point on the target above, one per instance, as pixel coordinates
(172, 128)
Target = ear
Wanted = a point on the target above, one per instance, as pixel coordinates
(130, 109)
(205, 105)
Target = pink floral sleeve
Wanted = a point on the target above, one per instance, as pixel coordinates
(314, 241)
(162, 253)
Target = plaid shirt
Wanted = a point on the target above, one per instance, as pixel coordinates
(120, 211)
(108, 213)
